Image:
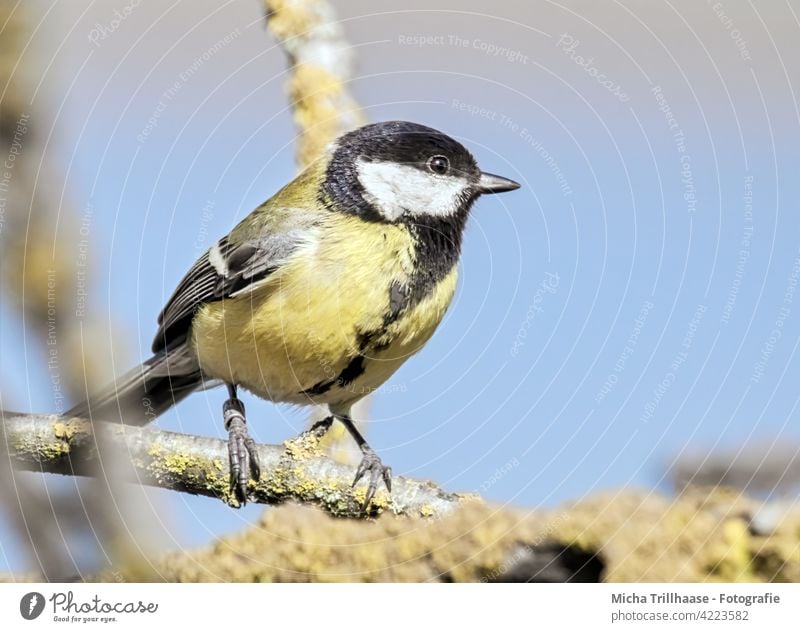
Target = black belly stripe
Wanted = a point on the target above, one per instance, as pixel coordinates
(354, 369)
(349, 374)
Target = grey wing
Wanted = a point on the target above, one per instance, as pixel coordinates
(224, 271)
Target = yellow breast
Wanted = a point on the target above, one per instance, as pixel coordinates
(309, 322)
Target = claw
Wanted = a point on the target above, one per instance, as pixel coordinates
(371, 463)
(360, 471)
(387, 478)
(255, 466)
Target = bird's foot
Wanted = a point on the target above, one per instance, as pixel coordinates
(371, 463)
(242, 453)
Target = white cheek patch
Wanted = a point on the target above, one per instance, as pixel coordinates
(396, 189)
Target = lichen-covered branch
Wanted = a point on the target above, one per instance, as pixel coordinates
(320, 60)
(617, 536)
(297, 471)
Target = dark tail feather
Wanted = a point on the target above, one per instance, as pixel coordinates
(145, 392)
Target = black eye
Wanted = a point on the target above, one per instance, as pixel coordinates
(439, 165)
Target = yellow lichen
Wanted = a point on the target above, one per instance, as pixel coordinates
(288, 19)
(53, 450)
(67, 429)
(301, 448)
(730, 556)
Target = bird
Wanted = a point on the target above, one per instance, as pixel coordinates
(319, 295)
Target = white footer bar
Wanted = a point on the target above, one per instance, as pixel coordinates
(333, 607)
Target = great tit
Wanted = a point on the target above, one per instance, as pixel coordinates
(320, 294)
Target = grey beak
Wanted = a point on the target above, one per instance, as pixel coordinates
(490, 183)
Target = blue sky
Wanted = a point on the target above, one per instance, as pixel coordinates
(633, 301)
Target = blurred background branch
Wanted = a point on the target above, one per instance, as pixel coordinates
(46, 276)
(320, 60)
(759, 469)
(624, 536)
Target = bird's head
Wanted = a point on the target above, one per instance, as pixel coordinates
(398, 171)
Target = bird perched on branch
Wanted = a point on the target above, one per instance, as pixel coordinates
(320, 294)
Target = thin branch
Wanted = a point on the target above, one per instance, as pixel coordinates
(296, 471)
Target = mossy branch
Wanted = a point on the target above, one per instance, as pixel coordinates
(296, 471)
